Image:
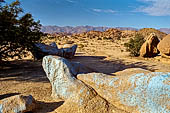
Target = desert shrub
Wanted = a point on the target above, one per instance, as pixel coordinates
(51, 37)
(80, 45)
(99, 38)
(107, 38)
(18, 31)
(69, 42)
(134, 45)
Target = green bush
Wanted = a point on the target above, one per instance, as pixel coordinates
(18, 32)
(134, 45)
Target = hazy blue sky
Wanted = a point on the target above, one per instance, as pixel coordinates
(111, 13)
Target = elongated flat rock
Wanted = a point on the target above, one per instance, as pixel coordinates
(52, 49)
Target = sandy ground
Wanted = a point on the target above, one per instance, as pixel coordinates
(28, 77)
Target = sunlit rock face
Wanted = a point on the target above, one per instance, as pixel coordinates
(149, 48)
(164, 46)
(132, 90)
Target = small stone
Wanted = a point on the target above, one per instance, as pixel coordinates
(17, 104)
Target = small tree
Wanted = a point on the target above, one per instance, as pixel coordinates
(134, 45)
(17, 33)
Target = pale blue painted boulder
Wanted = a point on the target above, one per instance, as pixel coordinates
(17, 104)
(53, 44)
(144, 92)
(52, 49)
(78, 97)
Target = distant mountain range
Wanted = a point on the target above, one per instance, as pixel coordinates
(165, 30)
(81, 29)
(69, 29)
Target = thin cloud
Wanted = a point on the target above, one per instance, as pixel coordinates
(104, 11)
(155, 7)
(71, 1)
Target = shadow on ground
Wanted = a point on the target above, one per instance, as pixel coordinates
(32, 71)
(99, 64)
(23, 70)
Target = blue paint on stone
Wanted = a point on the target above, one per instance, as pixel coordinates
(149, 93)
(81, 90)
(1, 108)
(112, 82)
(81, 102)
(87, 92)
(97, 80)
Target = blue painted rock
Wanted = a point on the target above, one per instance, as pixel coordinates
(78, 97)
(133, 90)
(17, 104)
(53, 44)
(52, 49)
(69, 52)
(46, 48)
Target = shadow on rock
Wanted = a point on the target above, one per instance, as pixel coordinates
(8, 95)
(44, 107)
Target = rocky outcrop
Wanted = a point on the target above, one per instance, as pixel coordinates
(78, 97)
(52, 49)
(17, 104)
(149, 48)
(164, 46)
(142, 92)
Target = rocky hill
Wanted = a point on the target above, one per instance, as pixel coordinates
(147, 31)
(109, 34)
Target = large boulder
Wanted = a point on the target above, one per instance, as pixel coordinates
(149, 48)
(78, 97)
(144, 92)
(17, 104)
(132, 90)
(52, 49)
(164, 46)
